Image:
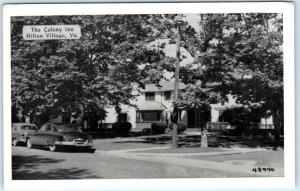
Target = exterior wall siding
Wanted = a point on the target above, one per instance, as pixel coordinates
(131, 111)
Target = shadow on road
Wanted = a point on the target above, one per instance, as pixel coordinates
(25, 168)
(68, 149)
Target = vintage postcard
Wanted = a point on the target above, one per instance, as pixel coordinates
(160, 96)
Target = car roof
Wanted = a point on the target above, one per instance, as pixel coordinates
(61, 124)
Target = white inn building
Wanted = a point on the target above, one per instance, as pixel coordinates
(154, 103)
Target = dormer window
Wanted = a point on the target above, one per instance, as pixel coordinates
(149, 96)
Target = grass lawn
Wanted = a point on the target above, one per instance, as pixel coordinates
(120, 144)
(187, 143)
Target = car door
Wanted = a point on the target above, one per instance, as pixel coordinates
(46, 135)
(48, 139)
(53, 135)
(39, 136)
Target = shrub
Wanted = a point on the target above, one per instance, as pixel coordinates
(181, 127)
(146, 131)
(121, 128)
(242, 118)
(159, 127)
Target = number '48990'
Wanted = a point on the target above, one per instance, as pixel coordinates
(262, 169)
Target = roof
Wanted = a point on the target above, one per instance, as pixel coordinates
(152, 106)
(162, 86)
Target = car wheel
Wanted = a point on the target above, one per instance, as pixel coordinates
(14, 142)
(53, 148)
(29, 144)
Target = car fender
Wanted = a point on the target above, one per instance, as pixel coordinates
(32, 137)
(15, 135)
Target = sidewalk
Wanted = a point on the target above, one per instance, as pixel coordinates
(230, 157)
(163, 151)
(191, 159)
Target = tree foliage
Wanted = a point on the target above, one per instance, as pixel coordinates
(241, 55)
(241, 117)
(103, 66)
(237, 54)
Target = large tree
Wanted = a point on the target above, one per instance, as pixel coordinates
(241, 55)
(103, 66)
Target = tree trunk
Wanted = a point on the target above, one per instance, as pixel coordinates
(204, 141)
(277, 127)
(176, 92)
(201, 123)
(175, 136)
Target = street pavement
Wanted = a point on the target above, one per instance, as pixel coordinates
(135, 161)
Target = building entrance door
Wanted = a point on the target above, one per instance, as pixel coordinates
(191, 119)
(197, 118)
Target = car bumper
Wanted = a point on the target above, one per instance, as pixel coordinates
(74, 144)
(22, 139)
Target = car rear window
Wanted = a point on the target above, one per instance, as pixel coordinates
(28, 127)
(68, 128)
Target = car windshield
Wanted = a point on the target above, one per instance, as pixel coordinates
(28, 127)
(68, 128)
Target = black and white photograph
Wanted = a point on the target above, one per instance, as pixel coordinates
(147, 96)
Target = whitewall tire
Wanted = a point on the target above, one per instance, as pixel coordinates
(29, 144)
(52, 148)
(14, 142)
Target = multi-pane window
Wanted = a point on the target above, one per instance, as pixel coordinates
(148, 116)
(167, 95)
(149, 96)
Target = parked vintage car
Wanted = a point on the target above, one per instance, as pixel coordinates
(19, 132)
(56, 135)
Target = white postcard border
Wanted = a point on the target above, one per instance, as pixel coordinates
(288, 181)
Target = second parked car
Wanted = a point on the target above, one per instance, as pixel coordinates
(54, 135)
(19, 132)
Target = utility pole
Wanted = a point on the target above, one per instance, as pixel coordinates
(178, 23)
